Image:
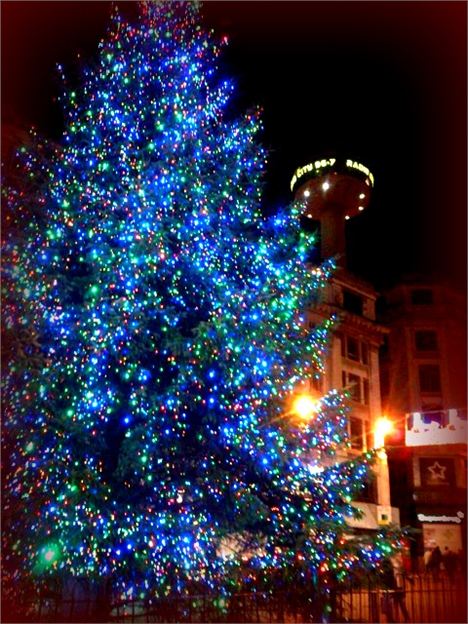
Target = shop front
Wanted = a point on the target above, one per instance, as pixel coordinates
(445, 528)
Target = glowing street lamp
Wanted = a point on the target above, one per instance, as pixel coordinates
(383, 426)
(305, 406)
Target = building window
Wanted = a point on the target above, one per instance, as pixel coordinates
(369, 434)
(357, 386)
(364, 353)
(426, 340)
(354, 383)
(422, 296)
(384, 347)
(429, 378)
(354, 349)
(365, 391)
(356, 433)
(368, 494)
(352, 302)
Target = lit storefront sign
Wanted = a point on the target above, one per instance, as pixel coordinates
(442, 518)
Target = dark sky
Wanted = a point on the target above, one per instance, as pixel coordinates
(380, 82)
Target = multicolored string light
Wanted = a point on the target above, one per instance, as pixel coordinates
(145, 417)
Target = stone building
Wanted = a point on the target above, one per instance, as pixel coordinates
(332, 191)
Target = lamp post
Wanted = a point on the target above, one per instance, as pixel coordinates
(383, 426)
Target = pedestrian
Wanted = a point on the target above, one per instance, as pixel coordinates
(399, 595)
(450, 563)
(434, 562)
(392, 581)
(427, 558)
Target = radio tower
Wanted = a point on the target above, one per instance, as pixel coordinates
(332, 190)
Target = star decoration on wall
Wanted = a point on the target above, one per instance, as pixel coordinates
(437, 472)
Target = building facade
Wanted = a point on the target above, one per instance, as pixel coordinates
(424, 391)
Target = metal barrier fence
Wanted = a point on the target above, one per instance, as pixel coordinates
(422, 599)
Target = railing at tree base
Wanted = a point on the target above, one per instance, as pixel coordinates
(422, 599)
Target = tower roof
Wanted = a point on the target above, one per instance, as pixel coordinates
(341, 185)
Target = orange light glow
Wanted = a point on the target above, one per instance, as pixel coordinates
(383, 426)
(305, 406)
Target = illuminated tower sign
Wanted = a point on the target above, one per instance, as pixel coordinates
(332, 191)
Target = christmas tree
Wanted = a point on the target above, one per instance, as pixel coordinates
(150, 428)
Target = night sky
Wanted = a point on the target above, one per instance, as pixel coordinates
(380, 82)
